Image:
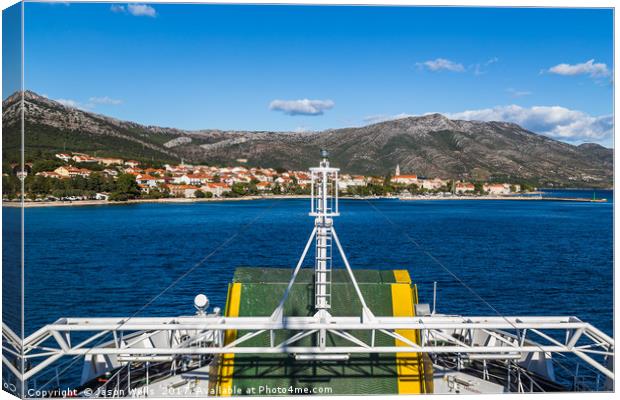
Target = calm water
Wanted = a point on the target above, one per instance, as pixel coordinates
(525, 258)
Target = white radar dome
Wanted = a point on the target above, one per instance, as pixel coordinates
(201, 301)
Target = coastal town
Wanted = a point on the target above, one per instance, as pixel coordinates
(80, 176)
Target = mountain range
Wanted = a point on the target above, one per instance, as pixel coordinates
(430, 145)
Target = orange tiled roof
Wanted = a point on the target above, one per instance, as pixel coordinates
(145, 177)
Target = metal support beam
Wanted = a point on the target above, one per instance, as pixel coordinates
(278, 312)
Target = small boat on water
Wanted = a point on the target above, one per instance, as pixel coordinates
(316, 329)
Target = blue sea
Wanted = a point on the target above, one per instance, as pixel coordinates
(521, 257)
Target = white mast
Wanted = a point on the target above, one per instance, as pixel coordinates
(323, 207)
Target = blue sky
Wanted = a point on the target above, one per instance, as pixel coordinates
(312, 68)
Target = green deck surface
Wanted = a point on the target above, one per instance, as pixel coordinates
(306, 275)
(261, 291)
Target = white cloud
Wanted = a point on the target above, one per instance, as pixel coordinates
(90, 104)
(303, 129)
(373, 119)
(141, 10)
(105, 100)
(301, 107)
(553, 121)
(441, 64)
(518, 93)
(138, 10)
(595, 70)
(481, 68)
(69, 103)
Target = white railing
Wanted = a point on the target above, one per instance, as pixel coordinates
(440, 334)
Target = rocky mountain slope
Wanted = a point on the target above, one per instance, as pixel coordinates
(430, 145)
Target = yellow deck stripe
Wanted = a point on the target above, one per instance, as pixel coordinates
(228, 360)
(408, 365)
(402, 276)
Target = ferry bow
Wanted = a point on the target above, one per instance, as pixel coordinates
(439, 353)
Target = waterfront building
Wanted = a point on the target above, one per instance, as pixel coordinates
(405, 179)
(263, 186)
(216, 188)
(187, 191)
(346, 181)
(432, 184)
(144, 188)
(497, 188)
(462, 187)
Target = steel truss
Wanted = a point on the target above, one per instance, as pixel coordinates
(504, 338)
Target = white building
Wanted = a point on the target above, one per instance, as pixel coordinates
(64, 157)
(110, 172)
(347, 181)
(432, 184)
(149, 180)
(263, 186)
(193, 179)
(497, 188)
(83, 158)
(405, 179)
(109, 161)
(216, 188)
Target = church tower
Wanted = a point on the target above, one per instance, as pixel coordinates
(397, 172)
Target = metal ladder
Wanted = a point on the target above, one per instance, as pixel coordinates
(323, 266)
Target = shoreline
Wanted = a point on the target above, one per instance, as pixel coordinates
(32, 204)
(509, 198)
(29, 204)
